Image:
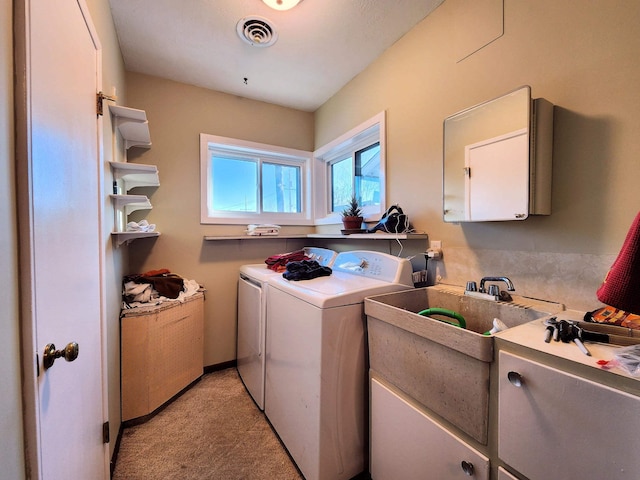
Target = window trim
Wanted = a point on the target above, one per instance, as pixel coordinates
(371, 131)
(271, 153)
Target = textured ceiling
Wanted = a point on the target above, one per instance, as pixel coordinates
(321, 45)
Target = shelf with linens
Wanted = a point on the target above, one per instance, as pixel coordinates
(133, 127)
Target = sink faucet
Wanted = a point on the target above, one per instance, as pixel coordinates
(510, 286)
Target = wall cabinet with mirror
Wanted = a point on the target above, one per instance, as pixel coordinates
(497, 159)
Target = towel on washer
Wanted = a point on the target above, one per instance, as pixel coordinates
(305, 270)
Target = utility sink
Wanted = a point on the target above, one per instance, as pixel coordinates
(440, 365)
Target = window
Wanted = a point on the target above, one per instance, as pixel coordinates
(352, 165)
(357, 175)
(245, 182)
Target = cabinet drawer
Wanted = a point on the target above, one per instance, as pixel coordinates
(406, 444)
(558, 425)
(504, 475)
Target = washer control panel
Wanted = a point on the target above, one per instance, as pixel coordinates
(376, 265)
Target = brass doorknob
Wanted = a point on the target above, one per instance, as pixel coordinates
(70, 353)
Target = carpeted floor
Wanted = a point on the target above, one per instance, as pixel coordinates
(212, 431)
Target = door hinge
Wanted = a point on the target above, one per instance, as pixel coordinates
(100, 98)
(105, 432)
(37, 365)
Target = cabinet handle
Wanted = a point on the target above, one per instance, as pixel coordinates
(467, 468)
(515, 379)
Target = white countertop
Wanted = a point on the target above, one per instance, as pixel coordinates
(531, 335)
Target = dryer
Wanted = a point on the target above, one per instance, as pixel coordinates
(252, 301)
(316, 379)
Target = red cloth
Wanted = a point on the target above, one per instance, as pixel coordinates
(278, 263)
(621, 287)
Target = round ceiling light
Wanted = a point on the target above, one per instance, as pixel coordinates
(282, 4)
(256, 31)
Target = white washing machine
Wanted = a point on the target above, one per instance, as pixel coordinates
(252, 301)
(315, 367)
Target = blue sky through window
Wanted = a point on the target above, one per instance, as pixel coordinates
(235, 184)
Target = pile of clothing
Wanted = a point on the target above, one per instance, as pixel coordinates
(297, 266)
(156, 286)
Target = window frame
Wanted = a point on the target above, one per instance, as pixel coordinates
(265, 153)
(364, 135)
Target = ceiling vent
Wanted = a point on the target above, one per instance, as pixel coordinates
(256, 31)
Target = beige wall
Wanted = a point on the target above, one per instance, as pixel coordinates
(11, 456)
(581, 59)
(177, 114)
(584, 59)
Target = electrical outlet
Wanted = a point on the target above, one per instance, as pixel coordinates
(435, 244)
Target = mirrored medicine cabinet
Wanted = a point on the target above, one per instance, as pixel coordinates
(497, 159)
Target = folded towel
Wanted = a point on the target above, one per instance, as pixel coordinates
(142, 226)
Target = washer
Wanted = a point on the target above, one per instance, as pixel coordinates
(252, 301)
(315, 390)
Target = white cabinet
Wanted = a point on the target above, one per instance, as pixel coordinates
(553, 424)
(407, 444)
(133, 127)
(497, 159)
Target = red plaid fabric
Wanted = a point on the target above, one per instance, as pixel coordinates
(621, 287)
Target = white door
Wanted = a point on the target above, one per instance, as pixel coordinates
(250, 355)
(59, 219)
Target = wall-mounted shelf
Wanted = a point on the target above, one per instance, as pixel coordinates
(134, 175)
(134, 130)
(355, 236)
(131, 203)
(126, 237)
(372, 236)
(132, 125)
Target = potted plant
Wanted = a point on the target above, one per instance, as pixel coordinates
(352, 215)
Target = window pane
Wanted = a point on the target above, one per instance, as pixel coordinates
(367, 176)
(341, 184)
(280, 188)
(235, 184)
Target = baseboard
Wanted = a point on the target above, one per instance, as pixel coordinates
(116, 449)
(220, 366)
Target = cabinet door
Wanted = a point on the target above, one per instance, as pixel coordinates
(557, 425)
(497, 179)
(406, 444)
(250, 344)
(174, 350)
